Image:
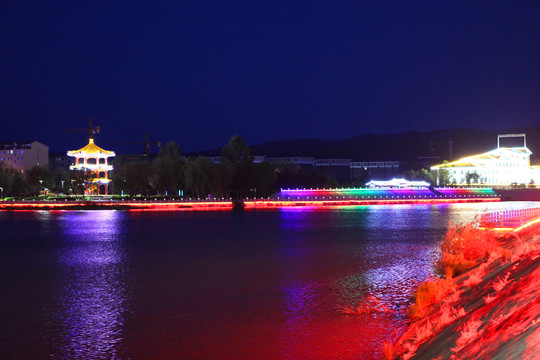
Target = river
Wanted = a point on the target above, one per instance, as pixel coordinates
(214, 285)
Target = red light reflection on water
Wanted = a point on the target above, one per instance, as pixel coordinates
(307, 334)
(312, 281)
(249, 295)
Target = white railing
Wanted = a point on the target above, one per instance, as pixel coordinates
(508, 218)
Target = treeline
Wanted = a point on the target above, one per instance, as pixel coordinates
(235, 176)
(39, 180)
(170, 174)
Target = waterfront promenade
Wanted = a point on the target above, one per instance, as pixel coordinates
(201, 205)
(285, 198)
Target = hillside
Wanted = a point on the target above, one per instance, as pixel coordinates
(404, 147)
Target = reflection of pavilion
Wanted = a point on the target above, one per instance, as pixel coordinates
(92, 160)
(92, 299)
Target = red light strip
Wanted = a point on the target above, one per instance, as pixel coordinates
(517, 229)
(530, 223)
(122, 205)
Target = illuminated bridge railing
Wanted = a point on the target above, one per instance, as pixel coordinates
(353, 193)
(465, 192)
(382, 193)
(509, 219)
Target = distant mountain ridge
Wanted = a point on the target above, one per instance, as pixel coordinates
(408, 146)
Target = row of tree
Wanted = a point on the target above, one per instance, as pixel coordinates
(38, 180)
(235, 175)
(171, 174)
(442, 177)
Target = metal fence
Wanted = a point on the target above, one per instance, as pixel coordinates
(508, 218)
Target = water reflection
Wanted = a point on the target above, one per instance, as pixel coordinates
(344, 257)
(249, 285)
(299, 293)
(92, 285)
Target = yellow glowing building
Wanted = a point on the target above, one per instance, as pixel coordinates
(93, 160)
(500, 167)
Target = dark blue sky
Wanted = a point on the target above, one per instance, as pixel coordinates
(198, 72)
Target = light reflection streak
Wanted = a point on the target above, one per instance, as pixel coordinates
(299, 295)
(93, 291)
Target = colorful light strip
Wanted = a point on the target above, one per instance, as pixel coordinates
(335, 203)
(225, 205)
(353, 193)
(382, 193)
(466, 191)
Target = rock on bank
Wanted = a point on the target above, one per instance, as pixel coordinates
(492, 312)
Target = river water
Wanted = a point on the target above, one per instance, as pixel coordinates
(214, 285)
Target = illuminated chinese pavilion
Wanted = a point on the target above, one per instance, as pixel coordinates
(93, 160)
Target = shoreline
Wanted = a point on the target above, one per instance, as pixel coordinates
(222, 205)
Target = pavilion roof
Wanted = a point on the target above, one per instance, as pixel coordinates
(91, 149)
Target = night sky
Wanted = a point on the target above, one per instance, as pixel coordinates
(198, 72)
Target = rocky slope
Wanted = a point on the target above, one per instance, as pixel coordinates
(490, 312)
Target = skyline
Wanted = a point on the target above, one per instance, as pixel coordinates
(198, 73)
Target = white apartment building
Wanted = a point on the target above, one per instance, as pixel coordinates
(23, 156)
(500, 167)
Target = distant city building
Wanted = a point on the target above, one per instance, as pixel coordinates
(256, 159)
(502, 166)
(375, 169)
(425, 162)
(339, 169)
(59, 161)
(216, 159)
(93, 160)
(24, 155)
(304, 163)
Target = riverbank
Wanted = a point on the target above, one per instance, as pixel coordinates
(222, 205)
(116, 205)
(491, 311)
